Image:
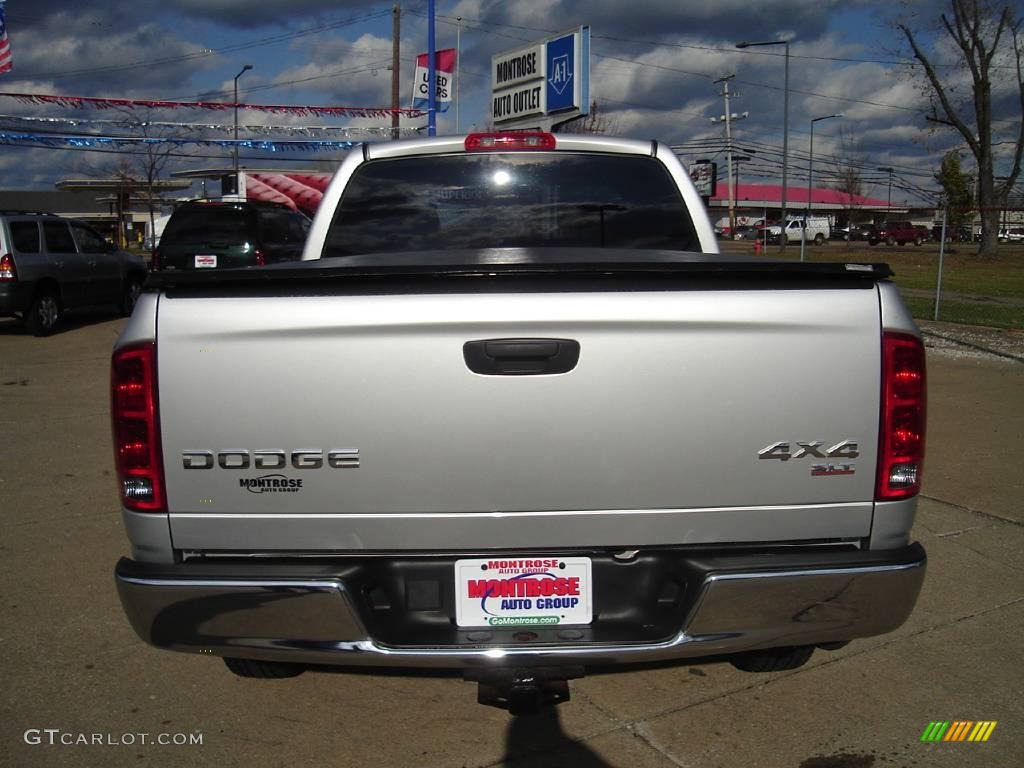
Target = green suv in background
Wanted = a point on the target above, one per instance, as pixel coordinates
(221, 234)
(49, 264)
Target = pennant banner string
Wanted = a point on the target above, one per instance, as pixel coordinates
(78, 102)
(87, 142)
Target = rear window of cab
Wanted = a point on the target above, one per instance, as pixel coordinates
(209, 221)
(510, 200)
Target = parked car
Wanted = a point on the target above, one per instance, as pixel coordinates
(1011, 234)
(899, 233)
(219, 234)
(50, 264)
(853, 232)
(752, 232)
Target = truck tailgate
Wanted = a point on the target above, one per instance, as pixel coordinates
(661, 434)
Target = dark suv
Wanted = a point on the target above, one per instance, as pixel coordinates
(49, 264)
(220, 234)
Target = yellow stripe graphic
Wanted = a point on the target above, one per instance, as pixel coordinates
(988, 731)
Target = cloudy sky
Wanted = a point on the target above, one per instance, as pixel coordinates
(653, 69)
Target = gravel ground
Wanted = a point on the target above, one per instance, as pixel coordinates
(973, 342)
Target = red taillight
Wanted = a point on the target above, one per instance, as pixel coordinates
(260, 258)
(154, 262)
(481, 142)
(133, 408)
(903, 413)
(8, 272)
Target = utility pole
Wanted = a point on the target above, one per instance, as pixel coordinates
(396, 62)
(728, 117)
(728, 154)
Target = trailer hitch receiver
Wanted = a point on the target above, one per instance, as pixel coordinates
(523, 691)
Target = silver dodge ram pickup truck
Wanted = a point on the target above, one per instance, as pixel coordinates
(514, 415)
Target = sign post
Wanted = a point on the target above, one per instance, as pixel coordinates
(704, 175)
(543, 84)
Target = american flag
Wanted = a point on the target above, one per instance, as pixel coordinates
(5, 47)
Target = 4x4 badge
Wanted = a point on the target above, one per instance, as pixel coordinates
(847, 449)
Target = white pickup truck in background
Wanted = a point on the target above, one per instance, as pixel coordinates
(515, 416)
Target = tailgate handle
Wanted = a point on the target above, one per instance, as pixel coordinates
(521, 357)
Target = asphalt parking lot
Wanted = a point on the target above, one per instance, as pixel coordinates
(70, 661)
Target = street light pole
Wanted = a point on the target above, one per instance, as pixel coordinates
(736, 160)
(245, 69)
(785, 128)
(888, 205)
(810, 175)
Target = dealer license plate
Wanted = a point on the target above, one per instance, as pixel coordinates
(523, 591)
(206, 261)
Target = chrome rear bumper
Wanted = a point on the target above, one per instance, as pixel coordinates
(285, 612)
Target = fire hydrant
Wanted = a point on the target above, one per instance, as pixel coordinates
(758, 248)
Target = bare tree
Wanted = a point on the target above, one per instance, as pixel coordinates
(979, 30)
(140, 167)
(144, 169)
(849, 162)
(956, 190)
(596, 121)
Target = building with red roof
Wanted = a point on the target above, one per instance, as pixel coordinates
(760, 196)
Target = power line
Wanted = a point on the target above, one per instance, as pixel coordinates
(378, 64)
(482, 27)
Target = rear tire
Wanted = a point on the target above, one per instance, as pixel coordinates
(918, 242)
(773, 659)
(132, 290)
(44, 314)
(819, 239)
(264, 670)
(890, 241)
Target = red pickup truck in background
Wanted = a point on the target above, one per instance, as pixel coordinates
(898, 232)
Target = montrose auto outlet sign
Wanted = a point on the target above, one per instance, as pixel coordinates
(543, 83)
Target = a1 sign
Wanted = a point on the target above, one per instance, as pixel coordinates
(543, 84)
(561, 73)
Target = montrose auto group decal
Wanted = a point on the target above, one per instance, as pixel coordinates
(523, 591)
